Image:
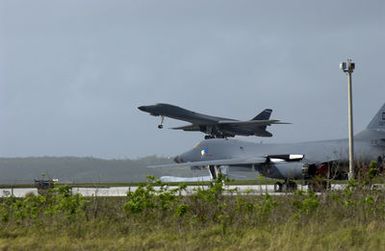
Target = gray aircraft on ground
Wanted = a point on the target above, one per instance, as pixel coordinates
(288, 161)
(213, 127)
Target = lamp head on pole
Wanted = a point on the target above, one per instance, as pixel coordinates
(348, 66)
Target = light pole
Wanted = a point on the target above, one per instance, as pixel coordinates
(348, 68)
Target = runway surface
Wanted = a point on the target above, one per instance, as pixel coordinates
(122, 191)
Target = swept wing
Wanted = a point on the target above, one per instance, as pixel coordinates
(238, 161)
(249, 124)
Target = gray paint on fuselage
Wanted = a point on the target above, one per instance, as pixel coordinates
(177, 112)
(369, 144)
(212, 125)
(317, 151)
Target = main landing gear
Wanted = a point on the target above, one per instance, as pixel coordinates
(160, 126)
(318, 185)
(216, 136)
(217, 171)
(287, 186)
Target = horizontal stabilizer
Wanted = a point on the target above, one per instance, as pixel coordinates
(251, 122)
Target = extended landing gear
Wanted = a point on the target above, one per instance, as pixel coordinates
(380, 164)
(160, 126)
(217, 172)
(215, 136)
(318, 185)
(214, 171)
(287, 186)
(278, 187)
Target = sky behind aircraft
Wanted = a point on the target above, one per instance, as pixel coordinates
(73, 72)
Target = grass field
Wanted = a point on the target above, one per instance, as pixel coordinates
(352, 219)
(261, 181)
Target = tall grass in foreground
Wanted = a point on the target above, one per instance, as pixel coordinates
(152, 218)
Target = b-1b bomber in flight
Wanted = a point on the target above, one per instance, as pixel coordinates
(212, 126)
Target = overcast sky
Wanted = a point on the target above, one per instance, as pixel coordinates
(73, 72)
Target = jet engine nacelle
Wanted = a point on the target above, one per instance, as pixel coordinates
(283, 170)
(290, 170)
(298, 170)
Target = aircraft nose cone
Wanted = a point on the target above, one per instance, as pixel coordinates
(143, 108)
(177, 159)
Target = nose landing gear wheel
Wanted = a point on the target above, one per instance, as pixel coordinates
(160, 126)
(287, 186)
(291, 186)
(278, 187)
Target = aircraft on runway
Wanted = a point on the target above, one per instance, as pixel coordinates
(288, 161)
(213, 127)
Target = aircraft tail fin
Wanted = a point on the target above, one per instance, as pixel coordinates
(264, 115)
(375, 131)
(378, 121)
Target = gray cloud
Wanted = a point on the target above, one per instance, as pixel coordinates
(73, 72)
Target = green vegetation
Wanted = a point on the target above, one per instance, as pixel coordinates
(162, 219)
(260, 181)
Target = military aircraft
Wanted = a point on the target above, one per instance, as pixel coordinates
(288, 161)
(213, 127)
